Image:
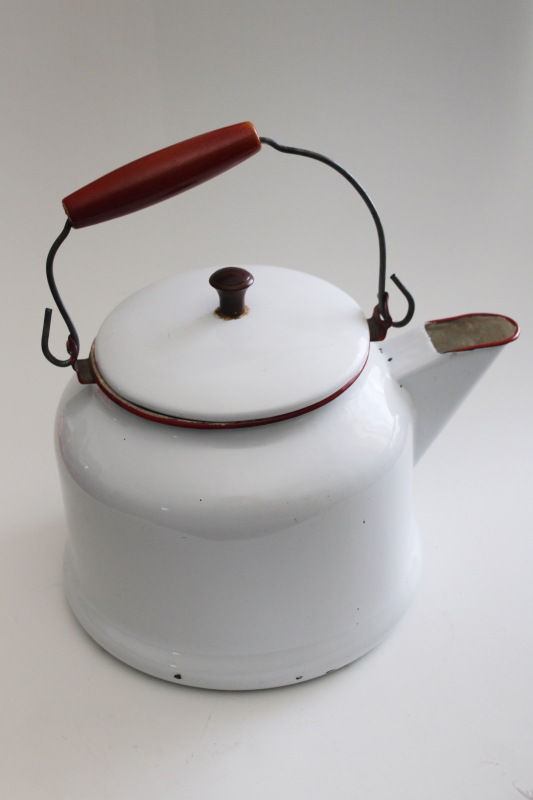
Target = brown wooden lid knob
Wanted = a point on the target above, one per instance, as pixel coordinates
(231, 284)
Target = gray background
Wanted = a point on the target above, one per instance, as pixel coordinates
(429, 105)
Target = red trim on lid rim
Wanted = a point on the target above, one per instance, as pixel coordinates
(512, 338)
(177, 422)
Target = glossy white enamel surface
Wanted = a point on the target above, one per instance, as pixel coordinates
(437, 382)
(254, 557)
(164, 349)
(241, 558)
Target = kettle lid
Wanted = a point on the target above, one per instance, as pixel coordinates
(169, 349)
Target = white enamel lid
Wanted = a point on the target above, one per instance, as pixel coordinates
(165, 349)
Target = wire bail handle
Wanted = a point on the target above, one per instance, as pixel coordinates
(169, 172)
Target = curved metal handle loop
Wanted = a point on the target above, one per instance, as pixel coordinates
(381, 319)
(379, 323)
(73, 342)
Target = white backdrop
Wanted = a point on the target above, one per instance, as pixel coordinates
(429, 105)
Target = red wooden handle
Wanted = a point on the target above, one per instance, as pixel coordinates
(161, 175)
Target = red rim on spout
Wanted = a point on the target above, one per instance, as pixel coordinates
(471, 332)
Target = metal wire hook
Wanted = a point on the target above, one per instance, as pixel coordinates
(73, 342)
(381, 320)
(410, 303)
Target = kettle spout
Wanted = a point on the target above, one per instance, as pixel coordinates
(439, 363)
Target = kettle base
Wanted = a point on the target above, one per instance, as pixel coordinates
(230, 673)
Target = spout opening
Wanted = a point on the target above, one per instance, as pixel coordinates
(471, 331)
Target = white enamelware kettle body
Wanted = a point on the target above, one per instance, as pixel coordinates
(237, 480)
(241, 558)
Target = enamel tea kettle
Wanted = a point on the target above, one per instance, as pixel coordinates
(236, 464)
